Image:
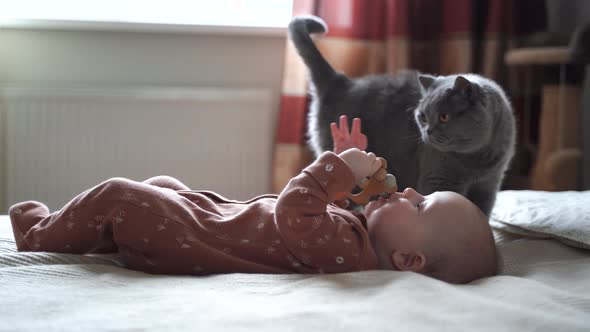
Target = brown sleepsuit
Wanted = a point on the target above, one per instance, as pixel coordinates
(160, 226)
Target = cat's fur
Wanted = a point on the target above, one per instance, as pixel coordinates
(401, 117)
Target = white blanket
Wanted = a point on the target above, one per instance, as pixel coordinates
(544, 286)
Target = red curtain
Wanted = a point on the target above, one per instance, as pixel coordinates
(376, 36)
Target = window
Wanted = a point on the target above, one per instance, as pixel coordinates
(230, 13)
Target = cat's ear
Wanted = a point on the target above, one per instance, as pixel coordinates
(426, 81)
(461, 83)
(465, 86)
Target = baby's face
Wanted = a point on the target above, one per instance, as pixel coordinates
(409, 220)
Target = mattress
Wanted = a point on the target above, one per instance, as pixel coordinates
(544, 285)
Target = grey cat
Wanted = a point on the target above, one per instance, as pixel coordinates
(453, 133)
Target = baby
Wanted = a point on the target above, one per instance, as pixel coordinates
(161, 226)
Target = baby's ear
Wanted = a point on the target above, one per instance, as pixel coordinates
(408, 261)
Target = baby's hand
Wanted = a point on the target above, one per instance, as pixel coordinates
(344, 140)
(361, 163)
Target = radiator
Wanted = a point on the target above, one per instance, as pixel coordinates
(59, 141)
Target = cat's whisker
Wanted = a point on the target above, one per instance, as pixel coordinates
(411, 136)
(410, 109)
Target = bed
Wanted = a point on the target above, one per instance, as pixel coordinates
(544, 285)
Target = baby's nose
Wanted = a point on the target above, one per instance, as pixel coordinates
(409, 192)
(412, 195)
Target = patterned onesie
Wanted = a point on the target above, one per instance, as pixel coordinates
(170, 231)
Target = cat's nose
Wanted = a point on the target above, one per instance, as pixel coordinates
(429, 131)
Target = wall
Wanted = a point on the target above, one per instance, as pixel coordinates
(53, 57)
(141, 58)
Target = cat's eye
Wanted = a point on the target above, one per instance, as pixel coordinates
(422, 117)
(443, 117)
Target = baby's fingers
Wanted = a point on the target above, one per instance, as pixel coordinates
(356, 126)
(334, 130)
(344, 124)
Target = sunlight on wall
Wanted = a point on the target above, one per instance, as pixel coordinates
(251, 13)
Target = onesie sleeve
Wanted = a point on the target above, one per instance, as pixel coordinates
(322, 240)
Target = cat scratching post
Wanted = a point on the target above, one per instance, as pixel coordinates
(559, 153)
(556, 167)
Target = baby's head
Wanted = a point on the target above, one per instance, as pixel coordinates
(442, 235)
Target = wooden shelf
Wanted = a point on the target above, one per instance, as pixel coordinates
(538, 56)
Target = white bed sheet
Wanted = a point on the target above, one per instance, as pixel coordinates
(544, 286)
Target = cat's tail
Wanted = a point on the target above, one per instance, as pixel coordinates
(322, 74)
